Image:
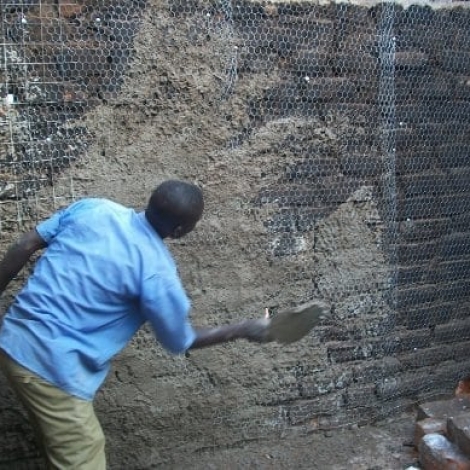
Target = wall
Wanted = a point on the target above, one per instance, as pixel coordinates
(331, 143)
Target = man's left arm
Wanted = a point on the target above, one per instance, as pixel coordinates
(18, 255)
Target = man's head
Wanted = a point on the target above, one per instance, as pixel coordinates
(174, 208)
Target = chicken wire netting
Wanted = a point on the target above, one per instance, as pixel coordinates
(332, 142)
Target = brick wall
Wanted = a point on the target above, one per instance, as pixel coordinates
(413, 341)
(329, 61)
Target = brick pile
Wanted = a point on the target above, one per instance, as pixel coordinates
(442, 434)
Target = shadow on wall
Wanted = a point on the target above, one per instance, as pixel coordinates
(57, 61)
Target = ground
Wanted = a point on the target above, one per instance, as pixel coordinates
(386, 445)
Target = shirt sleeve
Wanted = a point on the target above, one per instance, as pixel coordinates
(165, 305)
(49, 229)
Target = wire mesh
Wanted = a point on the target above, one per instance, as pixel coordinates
(331, 141)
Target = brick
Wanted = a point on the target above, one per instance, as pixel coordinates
(433, 112)
(370, 370)
(429, 426)
(412, 274)
(459, 180)
(407, 298)
(456, 245)
(302, 411)
(360, 396)
(417, 252)
(455, 61)
(446, 375)
(459, 431)
(411, 340)
(404, 385)
(462, 88)
(329, 89)
(463, 387)
(423, 185)
(415, 163)
(426, 357)
(416, 318)
(410, 60)
(443, 408)
(311, 169)
(422, 230)
(361, 165)
(312, 63)
(419, 208)
(451, 271)
(453, 331)
(432, 315)
(339, 352)
(425, 87)
(455, 205)
(69, 9)
(351, 64)
(454, 154)
(453, 291)
(460, 352)
(460, 223)
(430, 135)
(436, 452)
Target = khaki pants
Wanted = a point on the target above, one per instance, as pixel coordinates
(69, 434)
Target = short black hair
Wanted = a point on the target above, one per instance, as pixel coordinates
(173, 203)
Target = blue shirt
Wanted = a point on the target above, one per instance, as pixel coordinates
(104, 273)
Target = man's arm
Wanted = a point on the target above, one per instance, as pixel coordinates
(18, 255)
(251, 330)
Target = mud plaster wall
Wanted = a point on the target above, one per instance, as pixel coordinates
(293, 172)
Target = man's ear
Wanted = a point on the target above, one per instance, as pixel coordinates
(177, 232)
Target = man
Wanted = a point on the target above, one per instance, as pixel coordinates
(105, 272)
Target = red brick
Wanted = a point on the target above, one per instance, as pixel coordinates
(463, 387)
(438, 453)
(444, 408)
(70, 9)
(459, 431)
(429, 426)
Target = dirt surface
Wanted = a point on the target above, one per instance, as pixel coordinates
(384, 446)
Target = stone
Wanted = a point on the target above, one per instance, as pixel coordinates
(429, 426)
(443, 408)
(70, 9)
(458, 428)
(436, 452)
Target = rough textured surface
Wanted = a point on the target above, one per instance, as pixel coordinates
(459, 432)
(429, 426)
(293, 171)
(444, 408)
(437, 453)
